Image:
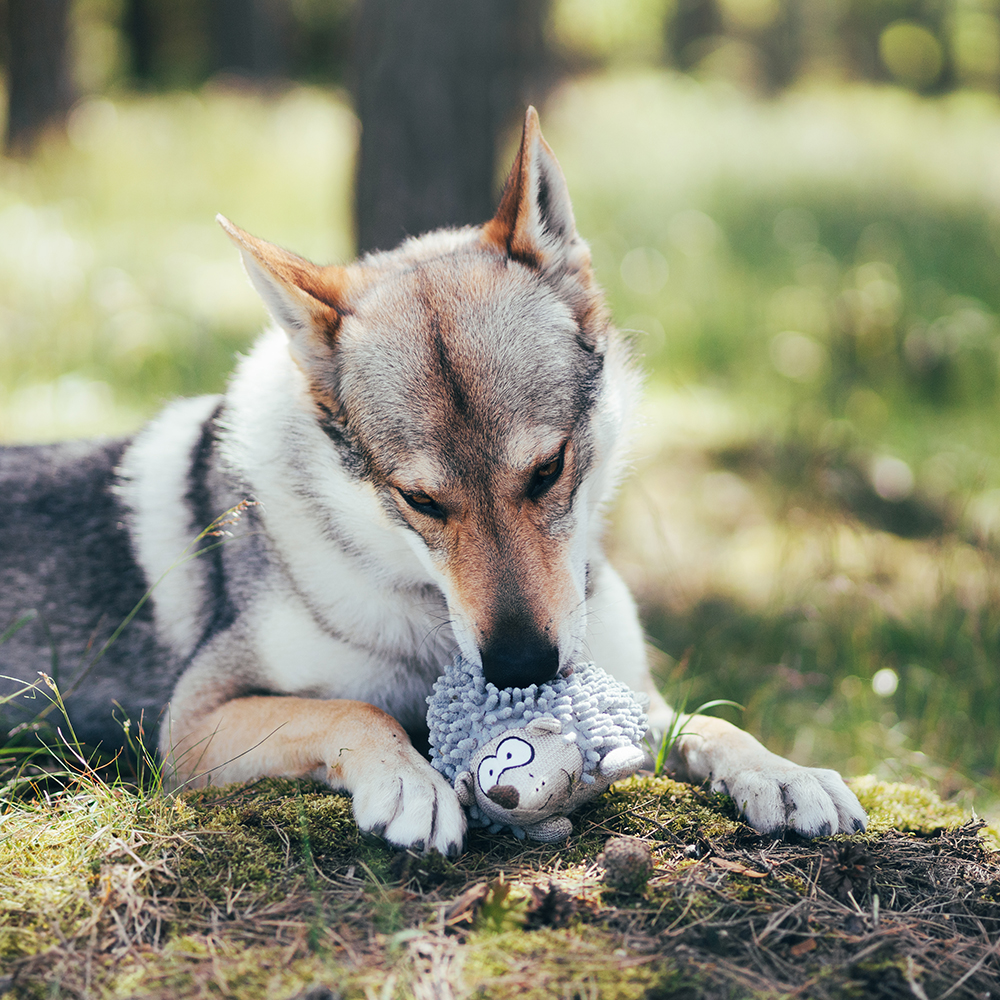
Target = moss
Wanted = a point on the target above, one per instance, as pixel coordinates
(905, 808)
(557, 963)
(196, 966)
(255, 839)
(663, 809)
(228, 862)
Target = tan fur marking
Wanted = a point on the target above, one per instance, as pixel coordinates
(537, 564)
(500, 545)
(284, 736)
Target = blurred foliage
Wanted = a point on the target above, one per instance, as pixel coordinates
(910, 696)
(117, 288)
(927, 45)
(831, 259)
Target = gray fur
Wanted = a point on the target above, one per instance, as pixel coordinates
(65, 555)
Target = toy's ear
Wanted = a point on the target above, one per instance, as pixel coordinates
(465, 788)
(545, 724)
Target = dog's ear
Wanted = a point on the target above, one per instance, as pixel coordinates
(534, 223)
(306, 300)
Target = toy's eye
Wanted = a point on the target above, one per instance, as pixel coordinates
(546, 474)
(425, 504)
(512, 753)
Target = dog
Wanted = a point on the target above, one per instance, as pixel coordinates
(415, 461)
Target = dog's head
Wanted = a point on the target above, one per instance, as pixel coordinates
(471, 380)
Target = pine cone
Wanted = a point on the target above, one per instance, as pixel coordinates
(627, 864)
(552, 907)
(846, 870)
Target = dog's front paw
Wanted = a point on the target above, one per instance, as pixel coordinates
(411, 805)
(774, 794)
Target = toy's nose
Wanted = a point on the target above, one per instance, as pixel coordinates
(505, 796)
(518, 655)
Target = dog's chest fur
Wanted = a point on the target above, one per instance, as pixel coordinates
(333, 602)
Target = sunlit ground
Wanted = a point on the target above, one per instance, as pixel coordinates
(812, 526)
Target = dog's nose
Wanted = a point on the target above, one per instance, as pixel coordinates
(514, 660)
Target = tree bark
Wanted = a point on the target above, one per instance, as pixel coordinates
(139, 28)
(249, 37)
(39, 87)
(435, 82)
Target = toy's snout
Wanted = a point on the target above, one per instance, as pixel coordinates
(505, 796)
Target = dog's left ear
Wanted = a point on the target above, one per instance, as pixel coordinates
(534, 223)
(306, 300)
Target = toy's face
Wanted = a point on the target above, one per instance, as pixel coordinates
(525, 776)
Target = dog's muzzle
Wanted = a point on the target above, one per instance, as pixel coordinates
(518, 657)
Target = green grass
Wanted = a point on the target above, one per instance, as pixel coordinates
(813, 284)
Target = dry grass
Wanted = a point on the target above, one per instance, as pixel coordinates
(268, 890)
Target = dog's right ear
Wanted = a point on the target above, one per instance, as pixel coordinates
(306, 300)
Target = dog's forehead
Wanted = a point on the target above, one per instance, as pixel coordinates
(475, 307)
(469, 347)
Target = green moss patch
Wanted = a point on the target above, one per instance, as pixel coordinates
(894, 806)
(268, 890)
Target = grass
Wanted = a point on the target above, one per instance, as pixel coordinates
(267, 890)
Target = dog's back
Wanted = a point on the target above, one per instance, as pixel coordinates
(67, 561)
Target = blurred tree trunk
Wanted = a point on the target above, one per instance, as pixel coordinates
(436, 81)
(39, 87)
(139, 28)
(690, 25)
(249, 37)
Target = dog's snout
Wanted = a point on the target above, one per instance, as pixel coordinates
(516, 659)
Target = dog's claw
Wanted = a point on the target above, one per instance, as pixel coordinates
(774, 795)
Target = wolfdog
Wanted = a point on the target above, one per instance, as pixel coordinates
(416, 461)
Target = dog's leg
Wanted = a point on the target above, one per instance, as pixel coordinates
(771, 792)
(348, 744)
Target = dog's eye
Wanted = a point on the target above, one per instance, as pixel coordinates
(423, 503)
(546, 474)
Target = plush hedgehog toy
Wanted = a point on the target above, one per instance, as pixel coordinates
(526, 758)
